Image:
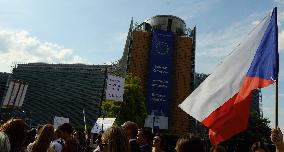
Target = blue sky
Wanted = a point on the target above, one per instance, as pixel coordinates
(94, 31)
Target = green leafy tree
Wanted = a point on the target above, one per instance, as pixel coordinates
(133, 106)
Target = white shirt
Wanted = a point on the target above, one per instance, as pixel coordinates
(56, 144)
(4, 142)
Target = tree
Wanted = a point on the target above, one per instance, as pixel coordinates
(133, 106)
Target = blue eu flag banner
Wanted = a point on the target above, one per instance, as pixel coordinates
(159, 81)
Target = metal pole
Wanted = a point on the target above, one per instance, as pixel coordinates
(276, 103)
(276, 83)
(103, 91)
(85, 123)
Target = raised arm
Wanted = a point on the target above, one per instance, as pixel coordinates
(277, 139)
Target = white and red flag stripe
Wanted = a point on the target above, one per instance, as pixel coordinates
(222, 101)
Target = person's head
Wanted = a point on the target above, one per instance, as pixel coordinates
(131, 129)
(144, 137)
(38, 128)
(78, 135)
(4, 142)
(115, 139)
(57, 134)
(187, 143)
(259, 147)
(16, 130)
(159, 141)
(31, 134)
(45, 136)
(66, 131)
(217, 148)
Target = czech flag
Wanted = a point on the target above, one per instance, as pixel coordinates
(222, 101)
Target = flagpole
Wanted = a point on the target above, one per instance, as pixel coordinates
(85, 123)
(103, 91)
(276, 83)
(276, 103)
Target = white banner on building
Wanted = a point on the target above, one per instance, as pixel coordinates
(15, 94)
(8, 93)
(102, 124)
(59, 121)
(159, 121)
(115, 88)
(23, 95)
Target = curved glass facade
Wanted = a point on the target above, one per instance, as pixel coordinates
(61, 90)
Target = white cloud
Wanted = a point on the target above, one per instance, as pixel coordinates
(254, 23)
(122, 36)
(281, 16)
(220, 42)
(217, 44)
(185, 13)
(279, 1)
(118, 40)
(281, 41)
(269, 112)
(20, 46)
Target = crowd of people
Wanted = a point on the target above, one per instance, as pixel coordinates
(15, 136)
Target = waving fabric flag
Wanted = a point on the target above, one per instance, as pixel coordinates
(222, 101)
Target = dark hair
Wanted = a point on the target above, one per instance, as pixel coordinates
(217, 148)
(147, 135)
(162, 140)
(79, 133)
(259, 145)
(188, 143)
(16, 130)
(66, 127)
(57, 134)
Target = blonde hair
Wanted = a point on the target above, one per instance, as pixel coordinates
(115, 140)
(4, 142)
(44, 138)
